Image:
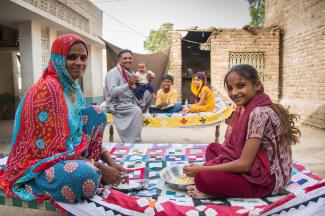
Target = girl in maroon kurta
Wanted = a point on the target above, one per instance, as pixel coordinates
(255, 159)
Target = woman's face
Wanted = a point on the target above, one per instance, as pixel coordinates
(76, 61)
(196, 81)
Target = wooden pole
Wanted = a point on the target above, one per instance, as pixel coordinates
(111, 133)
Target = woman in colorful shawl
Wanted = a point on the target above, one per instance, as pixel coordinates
(255, 159)
(57, 140)
(205, 101)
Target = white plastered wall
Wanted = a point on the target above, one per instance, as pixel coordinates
(30, 52)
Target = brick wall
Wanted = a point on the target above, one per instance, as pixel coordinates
(302, 56)
(240, 40)
(176, 62)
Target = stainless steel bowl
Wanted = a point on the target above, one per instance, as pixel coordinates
(170, 175)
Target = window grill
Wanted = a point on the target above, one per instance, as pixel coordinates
(256, 59)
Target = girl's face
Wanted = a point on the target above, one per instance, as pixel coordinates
(240, 89)
(76, 61)
(196, 81)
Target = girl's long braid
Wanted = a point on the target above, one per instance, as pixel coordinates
(291, 133)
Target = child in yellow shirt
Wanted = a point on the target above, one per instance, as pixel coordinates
(166, 100)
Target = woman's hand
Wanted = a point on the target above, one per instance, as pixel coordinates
(192, 170)
(106, 157)
(118, 167)
(110, 175)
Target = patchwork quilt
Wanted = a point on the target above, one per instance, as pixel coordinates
(170, 120)
(305, 192)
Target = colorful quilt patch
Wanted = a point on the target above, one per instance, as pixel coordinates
(138, 151)
(153, 169)
(156, 157)
(156, 151)
(175, 158)
(134, 164)
(153, 174)
(155, 165)
(162, 145)
(136, 158)
(120, 151)
(137, 173)
(118, 158)
(173, 151)
(196, 158)
(195, 151)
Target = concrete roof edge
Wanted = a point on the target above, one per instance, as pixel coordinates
(61, 25)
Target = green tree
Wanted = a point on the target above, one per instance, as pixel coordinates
(159, 39)
(257, 11)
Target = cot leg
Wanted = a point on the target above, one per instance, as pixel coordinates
(217, 133)
(111, 133)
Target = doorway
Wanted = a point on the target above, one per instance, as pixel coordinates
(194, 59)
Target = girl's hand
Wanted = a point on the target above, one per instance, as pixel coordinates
(192, 170)
(185, 110)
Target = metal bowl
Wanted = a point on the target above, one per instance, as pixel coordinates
(171, 174)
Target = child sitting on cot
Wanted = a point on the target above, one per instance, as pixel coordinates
(205, 101)
(255, 160)
(166, 101)
(144, 77)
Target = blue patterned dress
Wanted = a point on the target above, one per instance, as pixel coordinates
(73, 180)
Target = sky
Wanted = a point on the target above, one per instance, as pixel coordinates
(127, 23)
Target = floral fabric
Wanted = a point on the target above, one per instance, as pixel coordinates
(265, 124)
(66, 181)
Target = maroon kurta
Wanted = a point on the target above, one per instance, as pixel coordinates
(271, 169)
